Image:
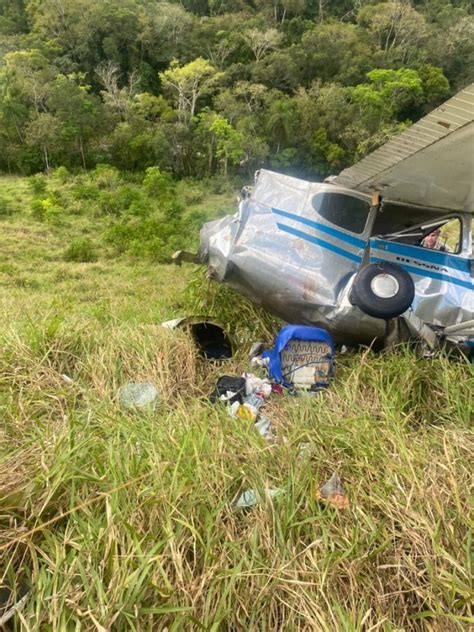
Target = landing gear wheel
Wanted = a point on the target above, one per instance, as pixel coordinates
(383, 290)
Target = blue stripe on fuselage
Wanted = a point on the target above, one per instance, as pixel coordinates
(423, 254)
(430, 256)
(319, 242)
(426, 273)
(350, 239)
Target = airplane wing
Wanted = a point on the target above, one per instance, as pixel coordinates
(429, 164)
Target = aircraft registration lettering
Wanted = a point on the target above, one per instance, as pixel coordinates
(423, 264)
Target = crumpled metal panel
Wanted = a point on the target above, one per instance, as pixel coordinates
(297, 272)
(281, 254)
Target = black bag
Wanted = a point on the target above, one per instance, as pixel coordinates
(227, 383)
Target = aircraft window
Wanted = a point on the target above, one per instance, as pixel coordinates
(342, 210)
(446, 238)
(395, 217)
(442, 234)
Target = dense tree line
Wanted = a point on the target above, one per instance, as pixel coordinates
(213, 86)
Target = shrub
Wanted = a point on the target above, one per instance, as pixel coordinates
(141, 208)
(148, 233)
(53, 212)
(37, 183)
(81, 250)
(37, 210)
(194, 221)
(84, 188)
(47, 210)
(79, 207)
(61, 174)
(128, 195)
(109, 203)
(192, 192)
(85, 191)
(124, 199)
(157, 182)
(106, 177)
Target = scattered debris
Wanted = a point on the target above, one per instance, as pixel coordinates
(250, 497)
(259, 386)
(259, 361)
(302, 358)
(256, 350)
(138, 395)
(67, 379)
(264, 427)
(230, 389)
(257, 401)
(173, 324)
(245, 396)
(183, 255)
(244, 411)
(333, 492)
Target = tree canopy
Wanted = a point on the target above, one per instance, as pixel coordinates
(217, 86)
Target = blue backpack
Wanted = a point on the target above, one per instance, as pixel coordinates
(302, 358)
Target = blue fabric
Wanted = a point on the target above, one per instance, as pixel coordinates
(293, 332)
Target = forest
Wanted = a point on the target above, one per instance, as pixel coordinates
(204, 87)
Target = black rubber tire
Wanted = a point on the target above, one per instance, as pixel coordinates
(364, 297)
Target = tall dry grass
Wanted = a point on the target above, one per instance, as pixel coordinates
(123, 520)
(120, 520)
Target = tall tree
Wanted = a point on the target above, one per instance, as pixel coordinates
(42, 132)
(79, 113)
(190, 82)
(260, 42)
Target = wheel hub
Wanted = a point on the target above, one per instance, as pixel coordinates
(385, 286)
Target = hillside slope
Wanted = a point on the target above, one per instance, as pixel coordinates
(123, 521)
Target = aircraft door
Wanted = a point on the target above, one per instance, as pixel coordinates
(444, 291)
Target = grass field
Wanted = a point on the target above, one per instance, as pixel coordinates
(123, 521)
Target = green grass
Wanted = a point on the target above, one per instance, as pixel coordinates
(123, 521)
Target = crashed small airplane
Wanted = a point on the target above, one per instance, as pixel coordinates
(388, 240)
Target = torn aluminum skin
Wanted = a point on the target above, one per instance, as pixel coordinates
(287, 250)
